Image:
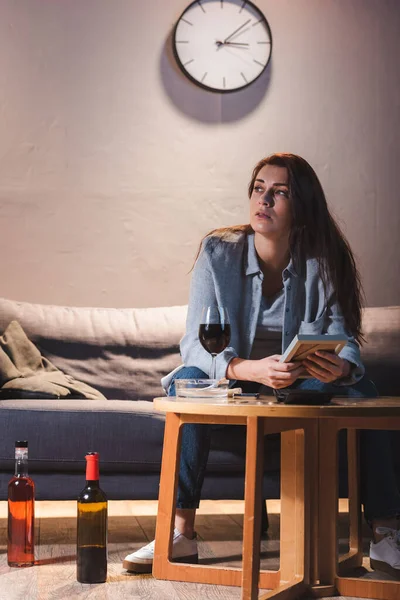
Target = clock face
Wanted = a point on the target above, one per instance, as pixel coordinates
(222, 45)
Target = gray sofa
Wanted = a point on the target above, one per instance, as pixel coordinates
(124, 353)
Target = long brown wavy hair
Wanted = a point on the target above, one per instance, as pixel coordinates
(314, 234)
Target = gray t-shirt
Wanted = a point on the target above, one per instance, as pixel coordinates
(268, 338)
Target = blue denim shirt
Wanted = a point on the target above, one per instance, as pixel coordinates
(227, 272)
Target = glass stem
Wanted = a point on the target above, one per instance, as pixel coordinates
(213, 374)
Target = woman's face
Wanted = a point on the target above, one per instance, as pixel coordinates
(270, 209)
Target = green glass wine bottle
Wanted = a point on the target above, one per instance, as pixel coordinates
(92, 527)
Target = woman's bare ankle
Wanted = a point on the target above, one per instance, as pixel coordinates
(184, 521)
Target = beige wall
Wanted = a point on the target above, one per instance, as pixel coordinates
(113, 165)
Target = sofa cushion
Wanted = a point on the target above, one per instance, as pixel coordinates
(121, 352)
(380, 353)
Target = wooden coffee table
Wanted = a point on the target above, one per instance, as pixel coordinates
(308, 494)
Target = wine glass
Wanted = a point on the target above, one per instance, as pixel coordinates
(214, 332)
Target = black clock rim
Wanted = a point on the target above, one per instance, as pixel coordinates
(207, 87)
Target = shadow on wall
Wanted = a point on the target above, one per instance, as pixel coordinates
(204, 106)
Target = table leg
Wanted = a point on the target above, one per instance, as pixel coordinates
(293, 539)
(311, 494)
(167, 495)
(292, 506)
(252, 507)
(328, 501)
(354, 557)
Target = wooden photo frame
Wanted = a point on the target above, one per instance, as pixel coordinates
(304, 344)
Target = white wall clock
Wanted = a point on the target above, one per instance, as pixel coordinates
(222, 45)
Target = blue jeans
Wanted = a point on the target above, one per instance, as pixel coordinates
(379, 492)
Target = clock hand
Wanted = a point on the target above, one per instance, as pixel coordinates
(236, 30)
(219, 44)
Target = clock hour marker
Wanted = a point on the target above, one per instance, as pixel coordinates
(223, 80)
(181, 41)
(186, 21)
(243, 5)
(204, 76)
(260, 21)
(201, 6)
(190, 61)
(242, 74)
(222, 3)
(263, 42)
(258, 62)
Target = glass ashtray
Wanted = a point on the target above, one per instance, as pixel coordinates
(201, 388)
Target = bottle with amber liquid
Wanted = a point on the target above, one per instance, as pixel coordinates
(21, 512)
(92, 527)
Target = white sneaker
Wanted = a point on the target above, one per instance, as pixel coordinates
(183, 550)
(385, 554)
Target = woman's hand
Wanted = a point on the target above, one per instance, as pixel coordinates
(326, 366)
(270, 371)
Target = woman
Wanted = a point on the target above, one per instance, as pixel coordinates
(289, 271)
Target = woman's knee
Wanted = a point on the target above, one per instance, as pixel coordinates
(186, 373)
(365, 388)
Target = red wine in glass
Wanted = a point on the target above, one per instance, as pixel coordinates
(214, 332)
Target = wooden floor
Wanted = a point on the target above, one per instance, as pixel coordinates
(131, 524)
